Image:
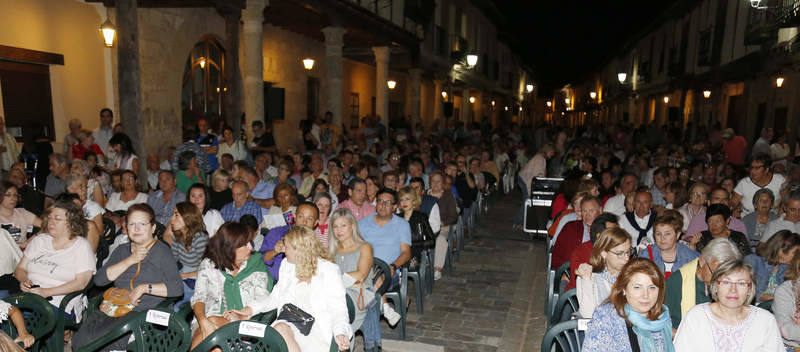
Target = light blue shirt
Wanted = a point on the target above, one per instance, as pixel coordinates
(263, 190)
(385, 240)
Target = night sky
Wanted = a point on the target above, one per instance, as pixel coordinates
(566, 40)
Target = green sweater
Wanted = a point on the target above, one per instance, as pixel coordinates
(672, 296)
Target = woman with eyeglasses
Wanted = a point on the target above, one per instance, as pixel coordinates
(729, 323)
(17, 221)
(144, 263)
(667, 253)
(756, 222)
(718, 217)
(59, 260)
(611, 252)
(698, 195)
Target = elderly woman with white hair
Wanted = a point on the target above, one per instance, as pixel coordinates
(94, 191)
(730, 323)
(690, 285)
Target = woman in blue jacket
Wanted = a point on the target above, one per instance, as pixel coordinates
(771, 261)
(668, 254)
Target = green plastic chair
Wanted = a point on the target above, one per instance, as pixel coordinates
(397, 296)
(567, 302)
(228, 339)
(554, 289)
(40, 319)
(766, 305)
(55, 341)
(564, 337)
(148, 336)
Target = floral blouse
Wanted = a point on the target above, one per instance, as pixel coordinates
(209, 287)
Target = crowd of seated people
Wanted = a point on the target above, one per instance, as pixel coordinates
(231, 228)
(714, 229)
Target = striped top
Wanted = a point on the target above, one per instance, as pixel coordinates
(190, 259)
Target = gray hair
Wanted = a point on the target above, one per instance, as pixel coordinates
(70, 179)
(333, 243)
(762, 191)
(82, 164)
(793, 195)
(720, 250)
(59, 158)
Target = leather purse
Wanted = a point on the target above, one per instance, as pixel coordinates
(298, 317)
(117, 301)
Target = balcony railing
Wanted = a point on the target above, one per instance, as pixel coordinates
(411, 15)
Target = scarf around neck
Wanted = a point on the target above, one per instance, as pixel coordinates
(233, 296)
(644, 329)
(642, 232)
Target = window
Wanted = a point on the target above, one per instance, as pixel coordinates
(26, 99)
(312, 98)
(203, 91)
(354, 110)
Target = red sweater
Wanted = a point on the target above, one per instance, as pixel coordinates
(569, 239)
(579, 256)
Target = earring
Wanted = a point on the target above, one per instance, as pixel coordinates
(623, 293)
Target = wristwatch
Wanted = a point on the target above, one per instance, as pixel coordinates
(394, 267)
(149, 289)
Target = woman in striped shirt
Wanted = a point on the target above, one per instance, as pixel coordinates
(186, 234)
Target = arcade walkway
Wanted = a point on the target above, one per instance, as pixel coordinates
(492, 301)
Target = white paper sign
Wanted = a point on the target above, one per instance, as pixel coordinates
(250, 328)
(273, 221)
(583, 324)
(157, 317)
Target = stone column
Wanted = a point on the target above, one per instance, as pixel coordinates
(438, 113)
(466, 107)
(252, 29)
(130, 95)
(381, 90)
(334, 40)
(233, 78)
(416, 98)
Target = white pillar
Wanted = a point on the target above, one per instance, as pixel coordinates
(334, 40)
(253, 70)
(381, 90)
(416, 98)
(466, 107)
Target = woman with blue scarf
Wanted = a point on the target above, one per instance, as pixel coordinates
(730, 323)
(634, 317)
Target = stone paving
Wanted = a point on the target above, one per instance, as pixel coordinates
(493, 299)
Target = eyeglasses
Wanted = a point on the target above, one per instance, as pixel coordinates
(384, 202)
(737, 284)
(623, 254)
(134, 225)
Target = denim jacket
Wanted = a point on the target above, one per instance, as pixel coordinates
(763, 270)
(684, 255)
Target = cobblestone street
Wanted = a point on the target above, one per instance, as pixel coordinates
(493, 299)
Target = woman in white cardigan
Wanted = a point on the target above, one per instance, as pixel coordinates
(729, 323)
(610, 253)
(310, 281)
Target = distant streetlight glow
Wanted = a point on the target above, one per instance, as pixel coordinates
(593, 95)
(472, 100)
(308, 63)
(529, 87)
(622, 76)
(492, 103)
(666, 100)
(549, 104)
(520, 108)
(779, 82)
(109, 32)
(506, 108)
(472, 60)
(566, 101)
(391, 84)
(202, 63)
(706, 94)
(444, 95)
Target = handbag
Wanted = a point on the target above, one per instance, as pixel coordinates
(117, 301)
(303, 321)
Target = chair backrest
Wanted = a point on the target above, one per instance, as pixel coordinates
(176, 336)
(562, 270)
(566, 305)
(246, 335)
(565, 336)
(351, 308)
(382, 269)
(106, 239)
(766, 305)
(40, 317)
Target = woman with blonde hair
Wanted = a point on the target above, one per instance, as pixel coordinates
(310, 285)
(611, 252)
(353, 255)
(421, 233)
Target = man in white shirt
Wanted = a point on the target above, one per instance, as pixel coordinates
(9, 150)
(616, 204)
(639, 223)
(790, 219)
(102, 134)
(760, 177)
(761, 146)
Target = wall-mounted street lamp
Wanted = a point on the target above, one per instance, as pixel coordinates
(593, 95)
(779, 81)
(566, 101)
(506, 108)
(622, 76)
(529, 87)
(472, 60)
(202, 63)
(520, 108)
(549, 104)
(444, 95)
(308, 63)
(492, 103)
(666, 100)
(706, 94)
(391, 84)
(472, 100)
(109, 32)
